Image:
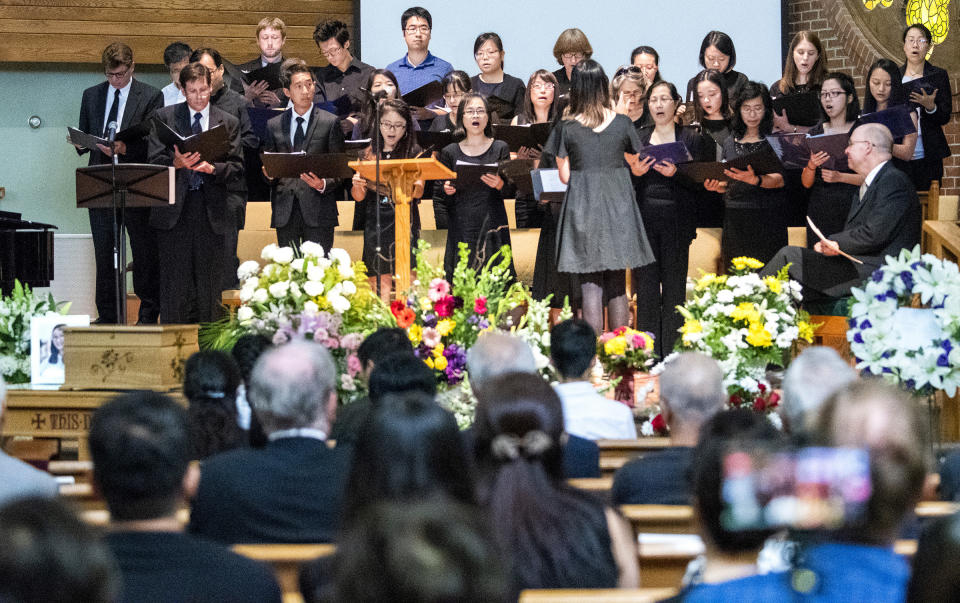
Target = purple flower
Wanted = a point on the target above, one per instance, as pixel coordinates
(858, 338)
(484, 324)
(877, 275)
(852, 323)
(907, 279)
(943, 360)
(429, 320)
(472, 319)
(916, 265)
(886, 354)
(910, 383)
(866, 324)
(946, 345)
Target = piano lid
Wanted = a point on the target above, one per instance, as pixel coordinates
(11, 221)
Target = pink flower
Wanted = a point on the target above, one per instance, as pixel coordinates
(480, 305)
(431, 337)
(351, 341)
(444, 306)
(638, 342)
(438, 289)
(332, 343)
(353, 365)
(607, 337)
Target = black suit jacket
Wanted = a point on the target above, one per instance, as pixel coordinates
(142, 101)
(290, 491)
(884, 222)
(226, 171)
(237, 105)
(324, 135)
(931, 124)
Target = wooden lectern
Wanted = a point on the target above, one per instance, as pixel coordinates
(399, 175)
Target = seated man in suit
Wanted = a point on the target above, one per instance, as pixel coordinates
(882, 221)
(691, 391)
(271, 36)
(495, 354)
(18, 479)
(128, 102)
(305, 208)
(191, 231)
(140, 444)
(291, 490)
(176, 56)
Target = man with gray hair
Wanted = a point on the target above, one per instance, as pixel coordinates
(18, 479)
(691, 391)
(812, 377)
(884, 218)
(291, 491)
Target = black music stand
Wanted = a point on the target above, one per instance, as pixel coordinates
(117, 187)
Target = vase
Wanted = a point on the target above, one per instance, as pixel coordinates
(625, 390)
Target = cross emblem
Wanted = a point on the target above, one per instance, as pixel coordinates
(38, 421)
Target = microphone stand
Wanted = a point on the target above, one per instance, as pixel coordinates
(377, 151)
(119, 238)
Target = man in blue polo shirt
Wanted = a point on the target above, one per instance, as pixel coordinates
(418, 66)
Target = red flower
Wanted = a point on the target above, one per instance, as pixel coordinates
(761, 387)
(619, 331)
(774, 399)
(397, 307)
(405, 318)
(480, 305)
(444, 307)
(736, 400)
(658, 424)
(759, 405)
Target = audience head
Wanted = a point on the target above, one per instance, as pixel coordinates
(117, 63)
(571, 47)
(49, 554)
(573, 347)
(691, 391)
(140, 446)
(384, 342)
(271, 35)
(247, 351)
(210, 383)
(712, 100)
(884, 87)
(417, 25)
(812, 377)
(753, 108)
(936, 573)
(400, 373)
(805, 59)
(409, 448)
(838, 93)
(294, 386)
(431, 552)
(455, 84)
(876, 416)
(495, 354)
(725, 430)
(648, 60)
(333, 39)
(717, 52)
(541, 90)
(869, 146)
(589, 94)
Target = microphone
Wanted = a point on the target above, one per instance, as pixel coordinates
(378, 95)
(111, 131)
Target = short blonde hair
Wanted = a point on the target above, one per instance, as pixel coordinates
(116, 55)
(272, 23)
(572, 40)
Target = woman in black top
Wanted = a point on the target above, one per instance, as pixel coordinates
(831, 191)
(397, 141)
(803, 71)
(669, 212)
(712, 114)
(884, 90)
(538, 107)
(477, 215)
(455, 85)
(571, 48)
(627, 93)
(934, 106)
(754, 222)
(717, 52)
(382, 83)
(648, 60)
(492, 81)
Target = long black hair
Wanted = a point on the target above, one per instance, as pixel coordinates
(460, 132)
(752, 90)
(210, 383)
(368, 112)
(589, 93)
(846, 83)
(408, 142)
(898, 94)
(716, 78)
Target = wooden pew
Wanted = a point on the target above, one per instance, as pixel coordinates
(82, 496)
(661, 519)
(80, 471)
(628, 449)
(286, 560)
(597, 595)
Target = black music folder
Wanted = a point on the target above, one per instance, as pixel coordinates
(674, 152)
(803, 108)
(926, 84)
(291, 165)
(897, 119)
(90, 141)
(791, 148)
(518, 171)
(834, 145)
(212, 144)
(533, 136)
(763, 162)
(468, 174)
(355, 148)
(339, 107)
(434, 141)
(259, 116)
(430, 93)
(269, 74)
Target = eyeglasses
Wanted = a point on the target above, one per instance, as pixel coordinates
(752, 110)
(831, 94)
(482, 54)
(543, 86)
(572, 56)
(453, 96)
(389, 127)
(474, 112)
(627, 69)
(412, 29)
(632, 94)
(117, 75)
(332, 53)
(852, 142)
(921, 42)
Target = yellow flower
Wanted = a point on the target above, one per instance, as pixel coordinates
(425, 304)
(759, 336)
(806, 331)
(437, 351)
(440, 363)
(415, 333)
(691, 326)
(616, 346)
(428, 361)
(745, 311)
(705, 281)
(773, 283)
(744, 262)
(445, 327)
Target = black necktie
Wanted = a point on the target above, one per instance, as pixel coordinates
(112, 115)
(196, 178)
(299, 136)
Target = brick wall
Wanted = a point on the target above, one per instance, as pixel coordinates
(849, 51)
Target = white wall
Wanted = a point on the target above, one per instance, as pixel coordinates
(529, 28)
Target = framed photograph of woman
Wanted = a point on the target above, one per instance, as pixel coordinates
(46, 346)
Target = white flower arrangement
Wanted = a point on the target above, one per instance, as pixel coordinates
(16, 311)
(905, 323)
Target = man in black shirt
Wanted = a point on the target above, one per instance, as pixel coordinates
(345, 74)
(141, 453)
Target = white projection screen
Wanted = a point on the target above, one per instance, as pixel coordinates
(529, 29)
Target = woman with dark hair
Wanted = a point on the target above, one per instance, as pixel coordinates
(933, 104)
(246, 351)
(572, 46)
(717, 52)
(669, 215)
(383, 85)
(711, 110)
(492, 81)
(397, 141)
(803, 71)
(538, 107)
(754, 216)
(476, 215)
(648, 60)
(600, 233)
(556, 535)
(455, 84)
(831, 191)
(210, 382)
(884, 90)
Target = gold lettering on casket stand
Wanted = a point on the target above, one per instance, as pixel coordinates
(111, 362)
(178, 362)
(62, 421)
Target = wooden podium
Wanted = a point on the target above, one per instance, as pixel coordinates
(399, 175)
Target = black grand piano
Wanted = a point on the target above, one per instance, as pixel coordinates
(26, 252)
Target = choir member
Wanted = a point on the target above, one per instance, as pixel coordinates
(571, 47)
(345, 74)
(176, 56)
(418, 66)
(627, 93)
(803, 71)
(601, 232)
(455, 85)
(271, 36)
(884, 90)
(717, 52)
(711, 110)
(648, 60)
(492, 81)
